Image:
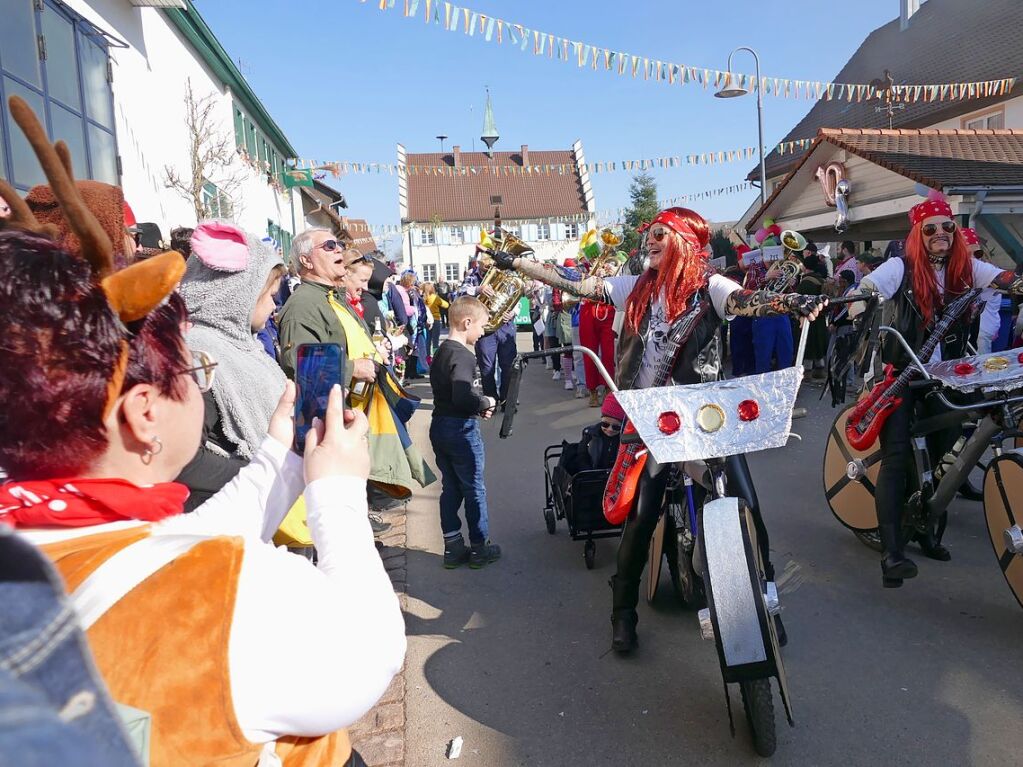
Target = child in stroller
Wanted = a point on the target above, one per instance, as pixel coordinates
(598, 447)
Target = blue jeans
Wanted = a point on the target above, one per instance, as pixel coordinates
(435, 338)
(45, 664)
(772, 337)
(493, 351)
(458, 447)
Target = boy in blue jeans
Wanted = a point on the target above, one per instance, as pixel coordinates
(455, 435)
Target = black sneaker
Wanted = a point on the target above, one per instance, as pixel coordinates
(378, 524)
(483, 554)
(456, 553)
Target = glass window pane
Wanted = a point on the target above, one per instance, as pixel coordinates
(61, 60)
(103, 153)
(25, 165)
(97, 89)
(19, 53)
(70, 127)
(239, 128)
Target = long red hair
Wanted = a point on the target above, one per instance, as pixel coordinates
(958, 271)
(682, 271)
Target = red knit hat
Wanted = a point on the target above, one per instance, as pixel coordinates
(934, 205)
(611, 408)
(570, 262)
(971, 237)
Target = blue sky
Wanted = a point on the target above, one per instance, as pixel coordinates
(347, 81)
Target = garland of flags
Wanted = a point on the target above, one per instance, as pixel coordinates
(338, 169)
(455, 18)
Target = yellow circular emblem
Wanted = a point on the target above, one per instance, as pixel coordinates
(710, 418)
(996, 363)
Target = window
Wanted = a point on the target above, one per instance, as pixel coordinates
(455, 235)
(69, 89)
(429, 272)
(427, 237)
(989, 121)
(543, 231)
(571, 231)
(216, 203)
(513, 230)
(282, 237)
(451, 273)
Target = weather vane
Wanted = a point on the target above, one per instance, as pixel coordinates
(885, 89)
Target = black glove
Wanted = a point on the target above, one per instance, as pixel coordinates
(799, 305)
(504, 261)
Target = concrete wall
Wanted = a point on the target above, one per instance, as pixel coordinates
(149, 105)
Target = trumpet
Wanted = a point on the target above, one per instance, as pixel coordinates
(610, 260)
(508, 286)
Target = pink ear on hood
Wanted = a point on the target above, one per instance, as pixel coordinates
(220, 246)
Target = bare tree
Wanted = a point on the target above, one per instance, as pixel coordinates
(211, 153)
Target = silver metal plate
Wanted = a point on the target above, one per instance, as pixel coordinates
(734, 607)
(775, 393)
(983, 376)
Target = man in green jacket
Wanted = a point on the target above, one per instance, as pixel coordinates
(307, 318)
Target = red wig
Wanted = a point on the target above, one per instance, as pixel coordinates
(958, 271)
(682, 271)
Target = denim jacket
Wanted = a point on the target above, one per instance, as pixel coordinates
(54, 708)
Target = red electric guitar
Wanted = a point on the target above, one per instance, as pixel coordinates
(620, 490)
(864, 423)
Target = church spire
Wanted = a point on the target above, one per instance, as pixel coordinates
(490, 135)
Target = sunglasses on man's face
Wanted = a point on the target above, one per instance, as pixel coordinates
(610, 426)
(329, 245)
(659, 234)
(946, 226)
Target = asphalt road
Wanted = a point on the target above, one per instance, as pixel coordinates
(514, 658)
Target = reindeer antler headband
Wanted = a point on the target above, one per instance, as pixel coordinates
(132, 292)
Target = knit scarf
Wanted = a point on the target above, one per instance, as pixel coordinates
(85, 502)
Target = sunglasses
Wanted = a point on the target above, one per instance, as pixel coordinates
(946, 226)
(659, 233)
(203, 370)
(329, 245)
(614, 428)
(362, 259)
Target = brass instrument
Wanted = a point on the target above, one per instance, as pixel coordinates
(793, 241)
(610, 260)
(508, 286)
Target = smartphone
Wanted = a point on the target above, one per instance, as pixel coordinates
(318, 368)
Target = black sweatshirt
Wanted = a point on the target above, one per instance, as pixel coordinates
(456, 389)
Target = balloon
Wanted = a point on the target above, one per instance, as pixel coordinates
(761, 235)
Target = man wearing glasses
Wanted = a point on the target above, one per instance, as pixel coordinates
(307, 317)
(939, 264)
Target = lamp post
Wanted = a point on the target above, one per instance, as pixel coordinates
(731, 91)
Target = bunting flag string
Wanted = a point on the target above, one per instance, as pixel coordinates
(603, 216)
(455, 18)
(743, 154)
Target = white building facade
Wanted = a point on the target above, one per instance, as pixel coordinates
(110, 76)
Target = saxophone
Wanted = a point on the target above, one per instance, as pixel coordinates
(508, 286)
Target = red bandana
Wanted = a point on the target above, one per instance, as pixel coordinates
(356, 304)
(934, 205)
(84, 502)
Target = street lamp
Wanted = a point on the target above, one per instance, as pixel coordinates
(732, 90)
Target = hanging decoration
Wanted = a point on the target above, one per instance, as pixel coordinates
(454, 18)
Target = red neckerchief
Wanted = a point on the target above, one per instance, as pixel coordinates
(85, 502)
(356, 304)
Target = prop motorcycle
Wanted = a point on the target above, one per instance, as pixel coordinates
(694, 427)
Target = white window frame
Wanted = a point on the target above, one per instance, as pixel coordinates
(543, 231)
(982, 120)
(452, 272)
(571, 231)
(216, 202)
(456, 235)
(429, 272)
(427, 236)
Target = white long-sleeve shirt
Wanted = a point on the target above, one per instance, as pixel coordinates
(312, 648)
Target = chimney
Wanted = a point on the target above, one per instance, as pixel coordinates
(525, 155)
(456, 152)
(906, 10)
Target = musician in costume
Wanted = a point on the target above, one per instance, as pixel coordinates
(674, 295)
(772, 336)
(937, 267)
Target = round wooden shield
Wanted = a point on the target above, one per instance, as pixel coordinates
(1003, 508)
(850, 477)
(653, 571)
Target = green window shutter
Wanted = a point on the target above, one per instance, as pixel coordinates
(239, 128)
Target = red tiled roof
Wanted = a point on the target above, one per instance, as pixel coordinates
(947, 41)
(545, 193)
(935, 158)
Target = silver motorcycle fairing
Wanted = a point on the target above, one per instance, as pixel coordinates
(774, 393)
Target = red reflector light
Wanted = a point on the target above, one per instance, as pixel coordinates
(749, 410)
(669, 422)
(964, 369)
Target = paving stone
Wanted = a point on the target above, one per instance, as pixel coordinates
(383, 749)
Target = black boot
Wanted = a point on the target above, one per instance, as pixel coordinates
(625, 595)
(895, 566)
(931, 548)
